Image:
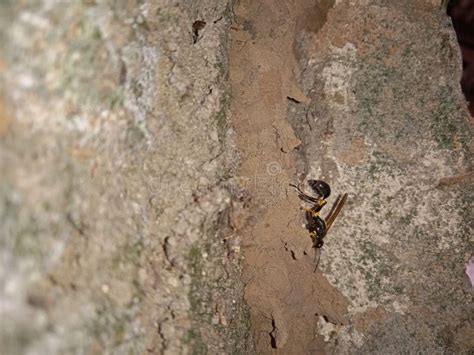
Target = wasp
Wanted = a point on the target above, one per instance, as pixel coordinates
(317, 226)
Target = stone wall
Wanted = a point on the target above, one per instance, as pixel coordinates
(114, 160)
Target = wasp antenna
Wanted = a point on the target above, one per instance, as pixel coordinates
(302, 195)
(296, 188)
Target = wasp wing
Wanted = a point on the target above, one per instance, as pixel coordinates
(336, 208)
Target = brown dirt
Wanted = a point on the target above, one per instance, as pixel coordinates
(288, 302)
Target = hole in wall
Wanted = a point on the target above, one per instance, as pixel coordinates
(197, 27)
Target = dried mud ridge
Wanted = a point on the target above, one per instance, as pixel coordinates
(286, 298)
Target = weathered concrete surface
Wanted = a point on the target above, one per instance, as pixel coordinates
(115, 152)
(388, 124)
(113, 144)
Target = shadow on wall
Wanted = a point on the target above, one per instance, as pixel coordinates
(462, 14)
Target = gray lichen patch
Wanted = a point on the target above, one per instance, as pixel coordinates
(217, 309)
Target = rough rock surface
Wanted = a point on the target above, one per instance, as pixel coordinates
(389, 125)
(114, 137)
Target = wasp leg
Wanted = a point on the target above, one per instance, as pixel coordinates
(317, 258)
(308, 198)
(311, 211)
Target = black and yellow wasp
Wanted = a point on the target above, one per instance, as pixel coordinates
(317, 226)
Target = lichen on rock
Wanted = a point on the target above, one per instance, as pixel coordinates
(390, 125)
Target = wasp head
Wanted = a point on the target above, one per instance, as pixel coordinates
(320, 187)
